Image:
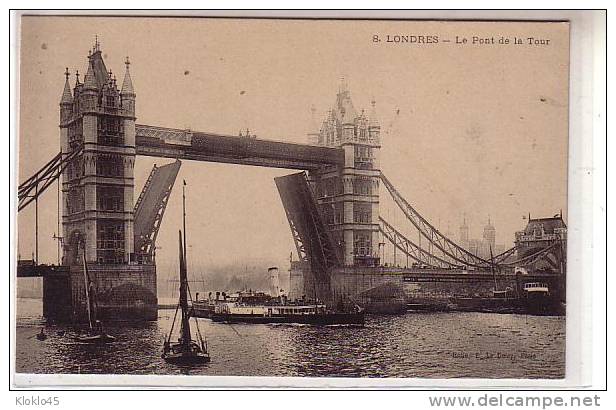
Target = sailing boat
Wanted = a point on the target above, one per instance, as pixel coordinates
(185, 351)
(96, 334)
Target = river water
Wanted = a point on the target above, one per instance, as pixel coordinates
(425, 345)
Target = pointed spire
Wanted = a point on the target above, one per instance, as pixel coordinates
(67, 97)
(127, 84)
(97, 44)
(76, 78)
(326, 119)
(89, 80)
(489, 222)
(374, 122)
(314, 125)
(344, 86)
(313, 130)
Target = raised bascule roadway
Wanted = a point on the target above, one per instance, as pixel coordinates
(332, 206)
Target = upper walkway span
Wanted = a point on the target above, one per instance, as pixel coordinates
(245, 150)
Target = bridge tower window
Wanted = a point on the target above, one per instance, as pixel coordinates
(110, 198)
(110, 130)
(110, 166)
(362, 245)
(363, 157)
(362, 212)
(362, 186)
(110, 241)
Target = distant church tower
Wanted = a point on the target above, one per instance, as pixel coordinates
(489, 234)
(464, 242)
(349, 197)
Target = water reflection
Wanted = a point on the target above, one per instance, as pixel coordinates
(434, 345)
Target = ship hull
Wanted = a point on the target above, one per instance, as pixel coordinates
(186, 359)
(487, 305)
(540, 306)
(204, 312)
(324, 319)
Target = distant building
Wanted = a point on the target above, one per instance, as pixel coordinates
(481, 247)
(464, 233)
(489, 234)
(541, 233)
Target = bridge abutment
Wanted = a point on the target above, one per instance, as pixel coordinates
(123, 293)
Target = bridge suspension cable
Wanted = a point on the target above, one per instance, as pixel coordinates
(453, 254)
(411, 249)
(501, 257)
(530, 259)
(33, 187)
(440, 241)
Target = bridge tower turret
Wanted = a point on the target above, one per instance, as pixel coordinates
(82, 222)
(127, 103)
(66, 102)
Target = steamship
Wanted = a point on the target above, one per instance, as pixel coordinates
(259, 307)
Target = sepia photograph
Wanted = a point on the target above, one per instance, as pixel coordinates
(290, 197)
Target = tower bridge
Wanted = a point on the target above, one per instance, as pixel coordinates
(332, 204)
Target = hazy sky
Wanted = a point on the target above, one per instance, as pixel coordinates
(474, 129)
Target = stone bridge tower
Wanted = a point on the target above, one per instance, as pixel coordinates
(349, 197)
(98, 119)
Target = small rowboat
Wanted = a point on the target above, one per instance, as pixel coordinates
(95, 339)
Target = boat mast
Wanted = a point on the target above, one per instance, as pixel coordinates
(185, 329)
(184, 219)
(492, 269)
(87, 287)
